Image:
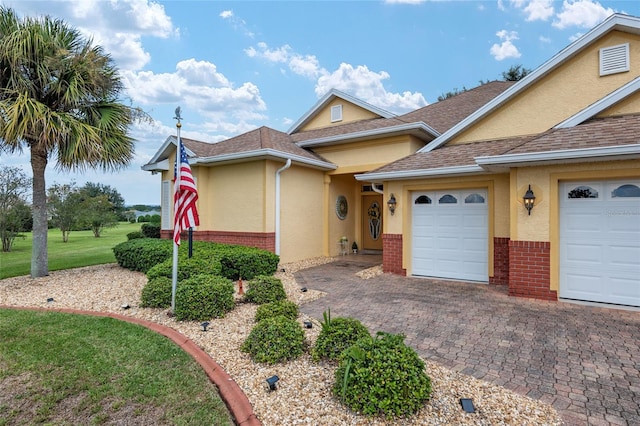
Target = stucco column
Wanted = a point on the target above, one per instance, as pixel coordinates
(325, 217)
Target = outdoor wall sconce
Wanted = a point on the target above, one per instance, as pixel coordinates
(308, 324)
(392, 204)
(272, 382)
(528, 199)
(204, 325)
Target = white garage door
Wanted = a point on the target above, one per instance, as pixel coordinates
(450, 234)
(600, 241)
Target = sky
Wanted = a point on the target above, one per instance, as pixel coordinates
(235, 66)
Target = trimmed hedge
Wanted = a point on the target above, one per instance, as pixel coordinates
(247, 263)
(203, 297)
(264, 289)
(150, 230)
(135, 234)
(156, 293)
(187, 267)
(274, 340)
(285, 308)
(141, 254)
(337, 335)
(382, 376)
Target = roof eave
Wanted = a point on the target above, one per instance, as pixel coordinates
(418, 129)
(260, 154)
(421, 173)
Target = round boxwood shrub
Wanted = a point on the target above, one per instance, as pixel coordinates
(187, 267)
(286, 308)
(133, 235)
(140, 254)
(264, 289)
(274, 340)
(203, 297)
(156, 293)
(382, 376)
(336, 336)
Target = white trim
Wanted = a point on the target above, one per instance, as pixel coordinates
(410, 174)
(566, 154)
(162, 165)
(614, 59)
(336, 113)
(263, 153)
(602, 104)
(368, 134)
(328, 97)
(615, 21)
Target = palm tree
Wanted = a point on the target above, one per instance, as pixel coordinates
(59, 98)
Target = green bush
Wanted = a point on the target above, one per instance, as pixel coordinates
(382, 376)
(284, 308)
(264, 289)
(336, 336)
(141, 254)
(248, 262)
(187, 267)
(274, 340)
(150, 230)
(133, 235)
(203, 297)
(157, 293)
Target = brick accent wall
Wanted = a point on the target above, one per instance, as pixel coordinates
(392, 254)
(500, 262)
(529, 270)
(262, 240)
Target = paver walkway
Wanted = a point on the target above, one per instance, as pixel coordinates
(583, 360)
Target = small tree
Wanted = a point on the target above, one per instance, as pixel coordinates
(515, 73)
(97, 213)
(14, 186)
(64, 207)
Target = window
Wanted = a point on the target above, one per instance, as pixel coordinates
(583, 192)
(448, 199)
(336, 113)
(423, 199)
(614, 59)
(474, 199)
(627, 190)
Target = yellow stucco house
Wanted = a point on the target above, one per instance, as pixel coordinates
(534, 185)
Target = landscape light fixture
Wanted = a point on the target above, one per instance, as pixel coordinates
(528, 199)
(392, 203)
(308, 324)
(303, 289)
(204, 325)
(125, 306)
(467, 405)
(49, 300)
(272, 382)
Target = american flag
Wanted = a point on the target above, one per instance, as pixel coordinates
(184, 197)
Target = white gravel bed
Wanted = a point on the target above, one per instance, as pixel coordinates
(304, 395)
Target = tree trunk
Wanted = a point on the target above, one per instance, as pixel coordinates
(39, 255)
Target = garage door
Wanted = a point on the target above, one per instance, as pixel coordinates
(600, 241)
(450, 234)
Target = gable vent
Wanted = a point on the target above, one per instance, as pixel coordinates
(614, 59)
(336, 113)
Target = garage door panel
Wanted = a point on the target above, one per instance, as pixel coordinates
(600, 243)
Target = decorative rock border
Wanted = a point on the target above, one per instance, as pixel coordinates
(236, 401)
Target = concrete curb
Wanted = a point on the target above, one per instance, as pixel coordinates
(236, 401)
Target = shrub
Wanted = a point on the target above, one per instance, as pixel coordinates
(284, 308)
(336, 336)
(248, 262)
(203, 297)
(133, 235)
(382, 376)
(264, 289)
(274, 340)
(150, 230)
(156, 293)
(187, 267)
(141, 254)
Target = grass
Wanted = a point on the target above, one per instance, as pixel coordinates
(60, 368)
(82, 249)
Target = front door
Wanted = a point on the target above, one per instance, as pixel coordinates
(372, 222)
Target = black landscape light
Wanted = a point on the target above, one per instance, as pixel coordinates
(204, 325)
(272, 382)
(308, 324)
(49, 300)
(467, 405)
(125, 306)
(303, 289)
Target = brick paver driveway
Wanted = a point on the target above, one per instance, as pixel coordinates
(583, 360)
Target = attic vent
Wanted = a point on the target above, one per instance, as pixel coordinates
(336, 113)
(614, 59)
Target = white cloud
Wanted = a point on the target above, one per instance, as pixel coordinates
(236, 22)
(226, 14)
(539, 10)
(506, 49)
(581, 13)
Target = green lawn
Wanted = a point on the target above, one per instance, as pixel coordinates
(74, 369)
(82, 249)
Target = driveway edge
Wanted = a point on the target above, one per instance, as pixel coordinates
(236, 401)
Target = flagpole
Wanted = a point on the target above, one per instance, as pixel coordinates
(174, 275)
